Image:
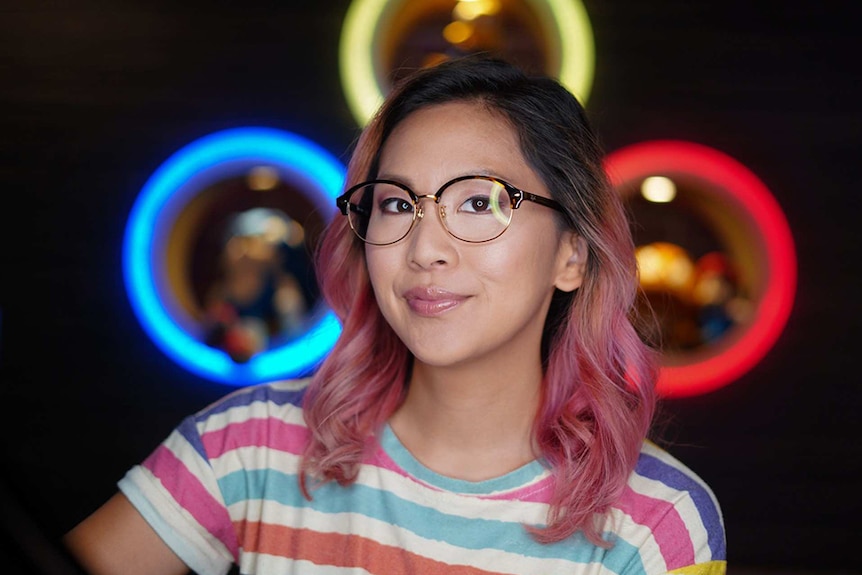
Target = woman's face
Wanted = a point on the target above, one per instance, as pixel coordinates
(453, 302)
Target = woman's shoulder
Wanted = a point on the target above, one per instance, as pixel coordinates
(668, 475)
(673, 501)
(279, 399)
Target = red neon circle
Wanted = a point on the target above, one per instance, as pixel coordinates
(729, 177)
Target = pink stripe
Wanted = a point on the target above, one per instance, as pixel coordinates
(668, 528)
(188, 491)
(262, 432)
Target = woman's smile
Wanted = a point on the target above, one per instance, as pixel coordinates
(432, 301)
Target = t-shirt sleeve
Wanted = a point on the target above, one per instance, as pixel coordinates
(176, 491)
(682, 515)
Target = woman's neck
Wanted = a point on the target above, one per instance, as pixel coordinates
(470, 422)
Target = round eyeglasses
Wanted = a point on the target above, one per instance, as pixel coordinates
(473, 209)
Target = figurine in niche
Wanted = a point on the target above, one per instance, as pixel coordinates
(258, 296)
(721, 305)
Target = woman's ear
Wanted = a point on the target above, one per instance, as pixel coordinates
(572, 262)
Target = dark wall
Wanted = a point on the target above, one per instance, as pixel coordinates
(95, 95)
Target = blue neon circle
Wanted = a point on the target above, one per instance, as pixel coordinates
(142, 269)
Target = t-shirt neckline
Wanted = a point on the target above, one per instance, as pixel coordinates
(514, 479)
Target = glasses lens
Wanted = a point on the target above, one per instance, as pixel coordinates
(380, 213)
(476, 209)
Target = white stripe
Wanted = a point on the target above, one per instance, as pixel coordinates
(290, 384)
(287, 413)
(261, 563)
(253, 458)
(460, 505)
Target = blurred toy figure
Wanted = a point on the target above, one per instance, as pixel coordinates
(717, 294)
(256, 298)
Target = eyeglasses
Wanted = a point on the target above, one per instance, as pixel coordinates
(473, 209)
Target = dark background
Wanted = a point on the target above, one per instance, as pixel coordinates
(95, 95)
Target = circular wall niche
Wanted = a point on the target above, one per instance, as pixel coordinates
(717, 260)
(259, 182)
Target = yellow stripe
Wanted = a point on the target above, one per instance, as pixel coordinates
(711, 568)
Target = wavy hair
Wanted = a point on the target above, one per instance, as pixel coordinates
(598, 394)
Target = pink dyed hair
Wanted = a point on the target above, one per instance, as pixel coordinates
(598, 392)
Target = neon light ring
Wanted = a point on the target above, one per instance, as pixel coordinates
(751, 206)
(171, 187)
(567, 22)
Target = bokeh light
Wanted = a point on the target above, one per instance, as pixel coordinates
(380, 39)
(743, 293)
(175, 184)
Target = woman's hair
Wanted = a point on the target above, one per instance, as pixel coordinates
(598, 391)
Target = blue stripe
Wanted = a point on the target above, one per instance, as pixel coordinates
(424, 521)
(189, 430)
(402, 456)
(653, 468)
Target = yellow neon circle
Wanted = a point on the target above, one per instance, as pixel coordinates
(362, 81)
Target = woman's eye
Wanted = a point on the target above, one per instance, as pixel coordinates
(477, 204)
(395, 206)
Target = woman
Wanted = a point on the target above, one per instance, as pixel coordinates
(486, 406)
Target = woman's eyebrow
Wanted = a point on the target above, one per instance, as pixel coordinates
(394, 178)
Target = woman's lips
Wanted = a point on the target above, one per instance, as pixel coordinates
(430, 301)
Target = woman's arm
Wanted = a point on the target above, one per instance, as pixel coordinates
(116, 539)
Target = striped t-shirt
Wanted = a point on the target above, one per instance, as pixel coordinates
(223, 489)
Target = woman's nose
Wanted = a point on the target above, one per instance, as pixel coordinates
(430, 243)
